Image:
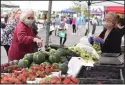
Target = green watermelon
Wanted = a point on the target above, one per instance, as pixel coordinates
(29, 57)
(64, 60)
(46, 54)
(62, 52)
(57, 57)
(38, 58)
(21, 63)
(53, 46)
(46, 63)
(26, 63)
(52, 59)
(64, 68)
(52, 51)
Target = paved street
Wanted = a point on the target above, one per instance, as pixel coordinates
(71, 39)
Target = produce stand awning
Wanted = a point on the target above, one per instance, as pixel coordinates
(118, 9)
(9, 6)
(68, 11)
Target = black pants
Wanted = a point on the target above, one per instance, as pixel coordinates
(94, 28)
(74, 28)
(86, 32)
(65, 38)
(7, 48)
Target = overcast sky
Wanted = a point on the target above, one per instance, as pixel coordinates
(57, 5)
(43, 5)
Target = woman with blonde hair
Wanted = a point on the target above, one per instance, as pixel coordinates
(110, 38)
(9, 29)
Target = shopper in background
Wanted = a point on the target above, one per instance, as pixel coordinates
(24, 38)
(74, 25)
(57, 23)
(62, 32)
(9, 29)
(94, 23)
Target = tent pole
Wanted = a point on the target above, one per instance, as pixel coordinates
(89, 3)
(48, 23)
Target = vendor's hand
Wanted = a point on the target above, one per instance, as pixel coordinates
(98, 40)
(90, 39)
(38, 41)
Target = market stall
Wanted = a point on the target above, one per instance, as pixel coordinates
(80, 64)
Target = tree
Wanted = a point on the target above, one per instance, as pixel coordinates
(80, 7)
(76, 6)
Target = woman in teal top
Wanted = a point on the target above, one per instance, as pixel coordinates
(62, 32)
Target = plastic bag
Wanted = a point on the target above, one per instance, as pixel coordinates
(84, 41)
(62, 33)
(52, 28)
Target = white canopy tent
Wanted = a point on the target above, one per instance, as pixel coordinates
(107, 3)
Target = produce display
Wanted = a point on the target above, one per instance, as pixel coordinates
(51, 66)
(84, 54)
(96, 46)
(59, 80)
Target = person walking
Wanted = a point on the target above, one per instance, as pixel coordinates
(74, 25)
(94, 23)
(57, 23)
(62, 32)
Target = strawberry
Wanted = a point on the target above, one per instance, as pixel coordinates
(11, 80)
(56, 70)
(54, 77)
(16, 73)
(53, 81)
(75, 80)
(5, 78)
(42, 75)
(25, 74)
(43, 82)
(47, 71)
(3, 82)
(66, 81)
(58, 82)
(71, 82)
(51, 68)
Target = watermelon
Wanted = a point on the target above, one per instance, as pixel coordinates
(52, 59)
(46, 54)
(64, 60)
(27, 63)
(21, 63)
(62, 52)
(64, 68)
(53, 46)
(57, 57)
(46, 63)
(24, 63)
(29, 57)
(38, 58)
(52, 51)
